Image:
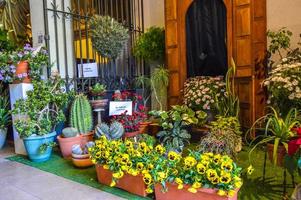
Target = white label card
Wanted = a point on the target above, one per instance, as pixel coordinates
(89, 70)
(119, 107)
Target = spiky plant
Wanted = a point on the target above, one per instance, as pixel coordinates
(81, 114)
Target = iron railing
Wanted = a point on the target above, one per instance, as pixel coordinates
(62, 15)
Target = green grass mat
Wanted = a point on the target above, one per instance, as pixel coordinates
(252, 189)
(64, 168)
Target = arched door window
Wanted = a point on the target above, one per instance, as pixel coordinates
(206, 33)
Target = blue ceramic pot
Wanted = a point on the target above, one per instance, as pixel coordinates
(3, 133)
(32, 145)
(59, 129)
(299, 163)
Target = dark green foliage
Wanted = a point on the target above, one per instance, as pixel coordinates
(4, 109)
(151, 45)
(108, 36)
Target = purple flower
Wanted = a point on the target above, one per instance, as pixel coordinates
(20, 76)
(1, 77)
(12, 67)
(2, 71)
(20, 55)
(24, 74)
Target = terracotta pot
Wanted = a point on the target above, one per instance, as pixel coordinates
(144, 127)
(88, 137)
(280, 154)
(175, 194)
(21, 69)
(82, 161)
(132, 184)
(67, 143)
(130, 134)
(99, 104)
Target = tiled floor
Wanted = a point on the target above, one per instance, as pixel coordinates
(21, 182)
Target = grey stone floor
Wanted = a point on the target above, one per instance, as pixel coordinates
(21, 182)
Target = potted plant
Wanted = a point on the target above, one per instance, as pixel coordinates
(80, 156)
(196, 176)
(278, 131)
(97, 92)
(69, 137)
(37, 117)
(131, 123)
(81, 118)
(159, 83)
(108, 36)
(4, 117)
(174, 122)
(113, 132)
(150, 46)
(122, 163)
(224, 137)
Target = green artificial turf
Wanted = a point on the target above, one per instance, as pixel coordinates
(252, 189)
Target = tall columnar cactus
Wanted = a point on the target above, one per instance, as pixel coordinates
(81, 114)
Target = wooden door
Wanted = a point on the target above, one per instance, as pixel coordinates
(246, 43)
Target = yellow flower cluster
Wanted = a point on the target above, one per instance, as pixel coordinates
(156, 165)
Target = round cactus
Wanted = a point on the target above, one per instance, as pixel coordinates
(69, 132)
(81, 114)
(113, 132)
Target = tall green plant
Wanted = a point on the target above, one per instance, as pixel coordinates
(145, 83)
(81, 114)
(228, 106)
(277, 130)
(159, 82)
(4, 109)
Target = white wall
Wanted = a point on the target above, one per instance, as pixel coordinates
(285, 13)
(153, 13)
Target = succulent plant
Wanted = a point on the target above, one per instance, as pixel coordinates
(69, 132)
(77, 150)
(81, 114)
(113, 132)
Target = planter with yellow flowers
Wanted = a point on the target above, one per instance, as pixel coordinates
(197, 176)
(124, 164)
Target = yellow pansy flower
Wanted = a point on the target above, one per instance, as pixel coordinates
(201, 169)
(192, 190)
(147, 178)
(118, 175)
(227, 166)
(250, 169)
(196, 185)
(161, 176)
(211, 174)
(140, 166)
(216, 159)
(231, 193)
(106, 166)
(113, 184)
(189, 162)
(221, 193)
(150, 167)
(225, 178)
(160, 149)
(149, 190)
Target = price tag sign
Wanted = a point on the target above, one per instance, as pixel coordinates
(89, 70)
(119, 107)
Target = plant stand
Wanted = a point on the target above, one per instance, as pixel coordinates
(98, 111)
(284, 175)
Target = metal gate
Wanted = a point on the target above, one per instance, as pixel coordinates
(69, 44)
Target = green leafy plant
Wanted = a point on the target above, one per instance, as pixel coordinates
(159, 82)
(4, 109)
(97, 91)
(228, 105)
(278, 130)
(42, 110)
(5, 43)
(108, 36)
(279, 40)
(81, 114)
(151, 45)
(223, 138)
(145, 83)
(173, 123)
(43, 148)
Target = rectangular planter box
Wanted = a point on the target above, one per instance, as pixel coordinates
(132, 184)
(175, 194)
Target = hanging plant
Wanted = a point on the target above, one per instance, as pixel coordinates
(108, 36)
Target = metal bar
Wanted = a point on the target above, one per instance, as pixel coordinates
(65, 43)
(87, 35)
(56, 36)
(46, 37)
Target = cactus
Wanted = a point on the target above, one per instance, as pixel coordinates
(69, 132)
(77, 150)
(115, 131)
(81, 114)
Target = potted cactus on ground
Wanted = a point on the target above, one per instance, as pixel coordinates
(80, 155)
(81, 118)
(70, 136)
(113, 132)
